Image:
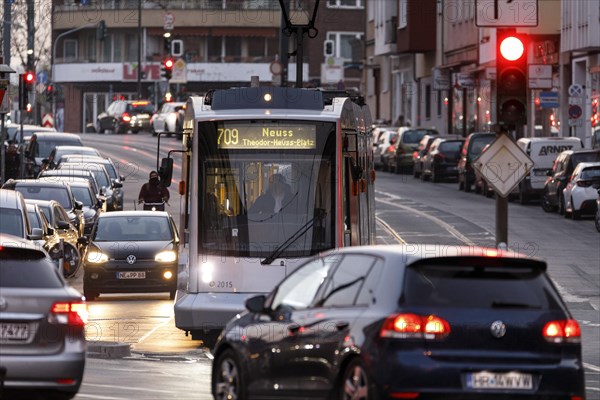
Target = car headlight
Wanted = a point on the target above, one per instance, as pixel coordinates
(96, 257)
(166, 256)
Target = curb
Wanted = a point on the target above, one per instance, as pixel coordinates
(99, 349)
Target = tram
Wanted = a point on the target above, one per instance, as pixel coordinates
(271, 176)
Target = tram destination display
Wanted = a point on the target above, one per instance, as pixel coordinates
(279, 136)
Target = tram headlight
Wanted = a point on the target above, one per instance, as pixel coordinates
(206, 272)
(166, 256)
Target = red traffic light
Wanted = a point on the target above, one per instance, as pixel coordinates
(169, 63)
(512, 48)
(29, 77)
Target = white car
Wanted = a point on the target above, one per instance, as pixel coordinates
(581, 192)
(167, 119)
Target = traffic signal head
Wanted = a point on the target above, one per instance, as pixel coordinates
(26, 83)
(29, 78)
(167, 43)
(167, 68)
(511, 75)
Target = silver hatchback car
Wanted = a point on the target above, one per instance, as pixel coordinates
(42, 325)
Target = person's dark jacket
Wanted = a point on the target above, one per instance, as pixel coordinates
(153, 192)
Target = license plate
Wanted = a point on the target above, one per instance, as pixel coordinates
(131, 275)
(14, 331)
(499, 380)
(540, 172)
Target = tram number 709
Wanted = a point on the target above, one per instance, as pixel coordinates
(228, 136)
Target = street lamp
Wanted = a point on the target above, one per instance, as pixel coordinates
(300, 19)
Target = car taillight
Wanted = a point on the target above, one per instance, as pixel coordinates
(126, 117)
(406, 326)
(69, 313)
(391, 149)
(439, 157)
(562, 331)
(415, 154)
(584, 183)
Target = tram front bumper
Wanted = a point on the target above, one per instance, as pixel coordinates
(207, 311)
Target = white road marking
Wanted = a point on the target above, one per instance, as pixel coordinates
(147, 335)
(391, 230)
(93, 396)
(594, 389)
(591, 367)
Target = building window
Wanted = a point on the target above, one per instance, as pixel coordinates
(70, 49)
(117, 53)
(346, 45)
(107, 49)
(131, 47)
(233, 49)
(91, 48)
(214, 49)
(345, 4)
(427, 102)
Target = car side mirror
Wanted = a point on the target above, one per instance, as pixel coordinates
(50, 231)
(63, 225)
(83, 241)
(36, 234)
(549, 172)
(256, 304)
(122, 178)
(166, 171)
(117, 184)
(99, 203)
(78, 205)
(103, 190)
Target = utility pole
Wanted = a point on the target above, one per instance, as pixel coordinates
(139, 54)
(31, 51)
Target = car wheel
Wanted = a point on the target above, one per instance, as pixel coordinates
(415, 172)
(523, 198)
(355, 384)
(597, 220)
(384, 166)
(227, 377)
(90, 295)
(172, 294)
(116, 128)
(72, 260)
(546, 205)
(461, 184)
(57, 395)
(486, 190)
(575, 214)
(398, 169)
(467, 185)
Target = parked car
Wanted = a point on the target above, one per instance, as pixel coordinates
(42, 325)
(542, 151)
(471, 149)
(14, 131)
(581, 192)
(557, 179)
(58, 220)
(418, 154)
(394, 322)
(60, 175)
(124, 115)
(112, 265)
(59, 152)
(44, 190)
(83, 192)
(596, 138)
(107, 186)
(110, 167)
(480, 184)
(408, 142)
(167, 119)
(387, 138)
(50, 240)
(14, 217)
(442, 158)
(41, 145)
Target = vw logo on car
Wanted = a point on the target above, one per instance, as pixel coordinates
(498, 329)
(131, 259)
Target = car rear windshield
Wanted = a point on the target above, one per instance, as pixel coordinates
(45, 147)
(592, 173)
(142, 108)
(27, 273)
(478, 143)
(415, 135)
(12, 222)
(477, 287)
(585, 157)
(451, 147)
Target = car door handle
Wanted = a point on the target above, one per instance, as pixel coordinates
(340, 325)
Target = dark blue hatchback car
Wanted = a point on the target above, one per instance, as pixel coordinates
(405, 322)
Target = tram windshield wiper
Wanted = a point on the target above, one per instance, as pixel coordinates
(319, 214)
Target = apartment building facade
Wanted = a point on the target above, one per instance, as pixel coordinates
(442, 66)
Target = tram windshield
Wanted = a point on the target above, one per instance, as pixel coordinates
(269, 188)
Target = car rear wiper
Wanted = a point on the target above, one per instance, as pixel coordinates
(319, 214)
(503, 304)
